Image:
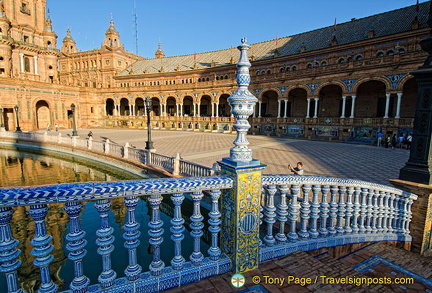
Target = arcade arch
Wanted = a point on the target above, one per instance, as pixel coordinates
(43, 114)
(297, 102)
(269, 104)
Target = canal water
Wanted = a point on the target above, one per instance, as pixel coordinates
(25, 169)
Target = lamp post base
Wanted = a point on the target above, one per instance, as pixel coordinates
(149, 145)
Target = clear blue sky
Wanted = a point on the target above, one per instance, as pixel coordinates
(187, 26)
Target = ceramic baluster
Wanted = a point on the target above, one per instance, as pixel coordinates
(131, 235)
(214, 222)
(324, 210)
(270, 215)
(105, 242)
(42, 247)
(77, 242)
(155, 232)
(9, 262)
(341, 210)
(304, 212)
(282, 213)
(293, 209)
(196, 227)
(177, 230)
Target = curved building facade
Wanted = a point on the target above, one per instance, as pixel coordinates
(342, 82)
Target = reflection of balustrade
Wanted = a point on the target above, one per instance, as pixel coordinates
(299, 213)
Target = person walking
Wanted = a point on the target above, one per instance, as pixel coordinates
(379, 137)
(393, 141)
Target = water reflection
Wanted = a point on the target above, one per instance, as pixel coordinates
(26, 169)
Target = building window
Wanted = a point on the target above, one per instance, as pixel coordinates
(380, 54)
(359, 57)
(26, 64)
(341, 61)
(390, 53)
(324, 63)
(294, 68)
(309, 65)
(401, 51)
(26, 39)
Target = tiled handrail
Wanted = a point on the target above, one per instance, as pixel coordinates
(314, 212)
(167, 163)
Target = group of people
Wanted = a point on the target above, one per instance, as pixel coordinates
(403, 141)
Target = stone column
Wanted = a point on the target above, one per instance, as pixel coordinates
(387, 106)
(352, 106)
(21, 62)
(259, 109)
(217, 109)
(308, 107)
(316, 108)
(279, 108)
(343, 106)
(286, 108)
(241, 205)
(399, 100)
(35, 58)
(199, 109)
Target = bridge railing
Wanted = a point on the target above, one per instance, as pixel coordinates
(174, 165)
(298, 213)
(310, 212)
(159, 276)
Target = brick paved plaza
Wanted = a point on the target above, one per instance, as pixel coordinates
(364, 162)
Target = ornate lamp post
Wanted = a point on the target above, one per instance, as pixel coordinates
(74, 131)
(149, 143)
(18, 129)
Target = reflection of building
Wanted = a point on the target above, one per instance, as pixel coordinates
(334, 83)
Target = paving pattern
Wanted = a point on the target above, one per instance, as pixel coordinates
(356, 161)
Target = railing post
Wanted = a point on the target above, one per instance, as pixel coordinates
(9, 262)
(90, 143)
(126, 150)
(241, 204)
(107, 146)
(176, 167)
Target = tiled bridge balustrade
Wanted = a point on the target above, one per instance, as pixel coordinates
(297, 213)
